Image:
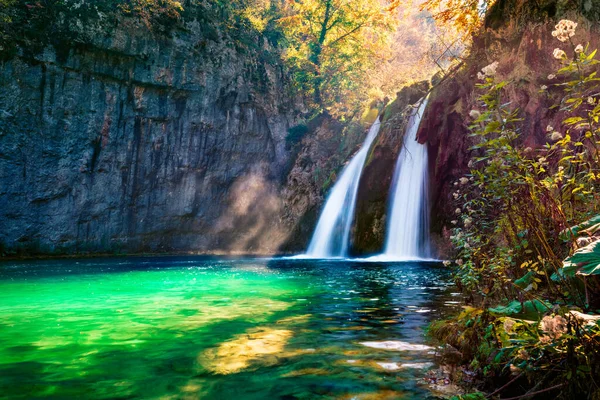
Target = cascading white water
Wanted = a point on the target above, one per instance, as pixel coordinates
(408, 210)
(332, 234)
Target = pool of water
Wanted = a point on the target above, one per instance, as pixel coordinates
(199, 327)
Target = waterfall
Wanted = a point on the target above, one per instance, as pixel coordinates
(332, 234)
(408, 209)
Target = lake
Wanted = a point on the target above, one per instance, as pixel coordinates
(218, 328)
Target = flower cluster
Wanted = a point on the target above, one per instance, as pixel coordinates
(552, 134)
(556, 136)
(489, 71)
(564, 30)
(559, 54)
(475, 114)
(554, 327)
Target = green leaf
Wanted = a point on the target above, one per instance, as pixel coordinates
(525, 280)
(530, 308)
(588, 227)
(470, 396)
(585, 261)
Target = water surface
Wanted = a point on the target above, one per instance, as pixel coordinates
(198, 327)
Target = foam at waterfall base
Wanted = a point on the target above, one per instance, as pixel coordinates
(381, 258)
(316, 258)
(393, 258)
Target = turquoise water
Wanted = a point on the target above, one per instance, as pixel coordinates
(197, 327)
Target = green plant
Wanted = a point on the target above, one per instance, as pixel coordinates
(513, 213)
(296, 134)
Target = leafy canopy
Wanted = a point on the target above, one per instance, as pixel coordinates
(464, 14)
(333, 43)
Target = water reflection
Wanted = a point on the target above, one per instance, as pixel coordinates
(216, 328)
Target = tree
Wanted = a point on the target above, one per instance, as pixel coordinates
(466, 15)
(332, 43)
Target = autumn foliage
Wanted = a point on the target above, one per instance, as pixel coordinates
(465, 15)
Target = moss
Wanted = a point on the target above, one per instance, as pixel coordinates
(369, 116)
(389, 110)
(296, 134)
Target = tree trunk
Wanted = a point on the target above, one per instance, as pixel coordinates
(316, 53)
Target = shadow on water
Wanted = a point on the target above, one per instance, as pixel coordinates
(207, 327)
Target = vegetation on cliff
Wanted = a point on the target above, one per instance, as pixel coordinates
(341, 54)
(525, 232)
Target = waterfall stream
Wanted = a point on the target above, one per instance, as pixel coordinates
(407, 236)
(332, 234)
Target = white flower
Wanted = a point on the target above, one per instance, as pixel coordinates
(459, 262)
(464, 181)
(549, 128)
(564, 30)
(556, 136)
(480, 76)
(457, 211)
(508, 325)
(475, 114)
(490, 70)
(551, 76)
(456, 195)
(446, 263)
(454, 222)
(468, 222)
(591, 100)
(559, 54)
(544, 87)
(579, 49)
(554, 327)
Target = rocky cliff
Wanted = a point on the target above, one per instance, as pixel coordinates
(518, 36)
(117, 138)
(137, 141)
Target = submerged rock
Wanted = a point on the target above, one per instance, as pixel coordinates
(258, 347)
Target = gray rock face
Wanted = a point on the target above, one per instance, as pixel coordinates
(138, 143)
